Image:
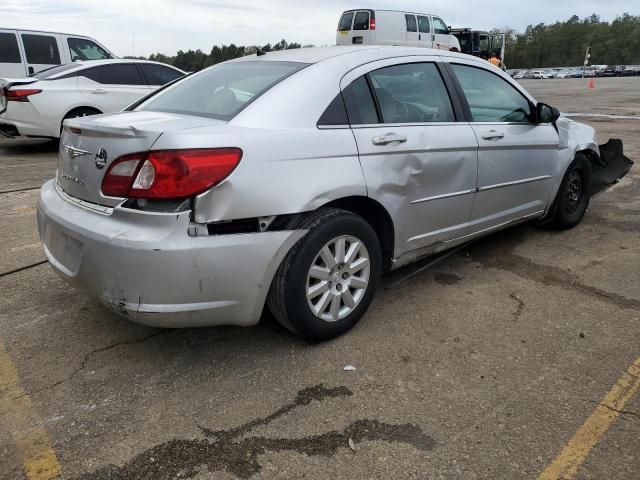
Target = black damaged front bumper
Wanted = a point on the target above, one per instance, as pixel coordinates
(610, 167)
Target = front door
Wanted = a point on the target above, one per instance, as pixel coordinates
(442, 39)
(42, 51)
(418, 162)
(517, 158)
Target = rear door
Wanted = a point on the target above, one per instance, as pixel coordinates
(424, 31)
(418, 160)
(517, 159)
(344, 28)
(413, 36)
(113, 86)
(11, 64)
(42, 51)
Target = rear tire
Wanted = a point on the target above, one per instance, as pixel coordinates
(574, 195)
(79, 112)
(327, 281)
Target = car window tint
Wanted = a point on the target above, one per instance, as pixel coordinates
(361, 107)
(335, 114)
(119, 74)
(423, 24)
(83, 49)
(345, 22)
(491, 98)
(9, 51)
(41, 49)
(361, 21)
(221, 91)
(439, 26)
(412, 93)
(412, 25)
(159, 75)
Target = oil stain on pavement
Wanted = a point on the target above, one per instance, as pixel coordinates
(222, 450)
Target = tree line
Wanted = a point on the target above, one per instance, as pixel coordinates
(539, 46)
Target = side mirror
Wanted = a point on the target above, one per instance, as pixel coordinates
(546, 113)
(449, 28)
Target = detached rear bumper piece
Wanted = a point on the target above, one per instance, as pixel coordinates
(610, 167)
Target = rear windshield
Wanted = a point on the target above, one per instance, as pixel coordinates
(346, 21)
(54, 71)
(221, 92)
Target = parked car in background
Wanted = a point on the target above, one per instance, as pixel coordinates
(234, 188)
(520, 75)
(391, 27)
(25, 52)
(565, 74)
(590, 72)
(612, 71)
(629, 72)
(36, 106)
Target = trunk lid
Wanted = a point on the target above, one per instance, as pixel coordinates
(90, 144)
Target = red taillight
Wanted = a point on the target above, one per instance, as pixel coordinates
(372, 23)
(169, 173)
(21, 95)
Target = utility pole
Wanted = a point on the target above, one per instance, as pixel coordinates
(133, 44)
(587, 56)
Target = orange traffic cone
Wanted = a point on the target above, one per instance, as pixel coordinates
(592, 83)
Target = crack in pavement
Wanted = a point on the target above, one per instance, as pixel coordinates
(521, 305)
(223, 452)
(621, 412)
(87, 356)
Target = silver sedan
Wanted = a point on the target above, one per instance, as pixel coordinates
(294, 179)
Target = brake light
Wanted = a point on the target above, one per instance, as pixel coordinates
(21, 95)
(169, 173)
(372, 23)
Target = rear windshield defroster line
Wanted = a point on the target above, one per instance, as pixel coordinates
(223, 91)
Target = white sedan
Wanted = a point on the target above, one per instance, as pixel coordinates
(36, 106)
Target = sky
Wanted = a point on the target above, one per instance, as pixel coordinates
(142, 27)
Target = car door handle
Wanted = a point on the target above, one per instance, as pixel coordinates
(99, 91)
(389, 138)
(492, 135)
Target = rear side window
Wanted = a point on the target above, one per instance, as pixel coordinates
(159, 75)
(346, 21)
(222, 91)
(41, 49)
(119, 74)
(439, 26)
(412, 25)
(83, 49)
(361, 107)
(424, 25)
(361, 21)
(9, 52)
(412, 93)
(54, 71)
(491, 98)
(335, 114)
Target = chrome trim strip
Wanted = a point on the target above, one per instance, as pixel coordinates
(94, 207)
(446, 195)
(517, 182)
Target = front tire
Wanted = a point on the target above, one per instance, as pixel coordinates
(574, 195)
(327, 281)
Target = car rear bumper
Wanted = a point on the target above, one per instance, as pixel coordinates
(145, 266)
(22, 119)
(8, 130)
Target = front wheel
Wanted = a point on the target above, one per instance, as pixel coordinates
(573, 196)
(327, 281)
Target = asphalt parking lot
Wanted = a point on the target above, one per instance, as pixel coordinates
(517, 357)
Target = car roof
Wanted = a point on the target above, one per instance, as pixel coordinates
(45, 31)
(355, 54)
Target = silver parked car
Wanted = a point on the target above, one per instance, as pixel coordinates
(294, 179)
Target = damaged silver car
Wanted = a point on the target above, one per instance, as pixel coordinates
(293, 179)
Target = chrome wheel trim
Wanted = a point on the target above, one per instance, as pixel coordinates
(338, 278)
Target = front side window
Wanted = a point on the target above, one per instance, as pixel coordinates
(346, 21)
(41, 49)
(83, 49)
(491, 98)
(412, 93)
(9, 51)
(221, 92)
(361, 21)
(423, 24)
(439, 26)
(412, 24)
(119, 74)
(159, 75)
